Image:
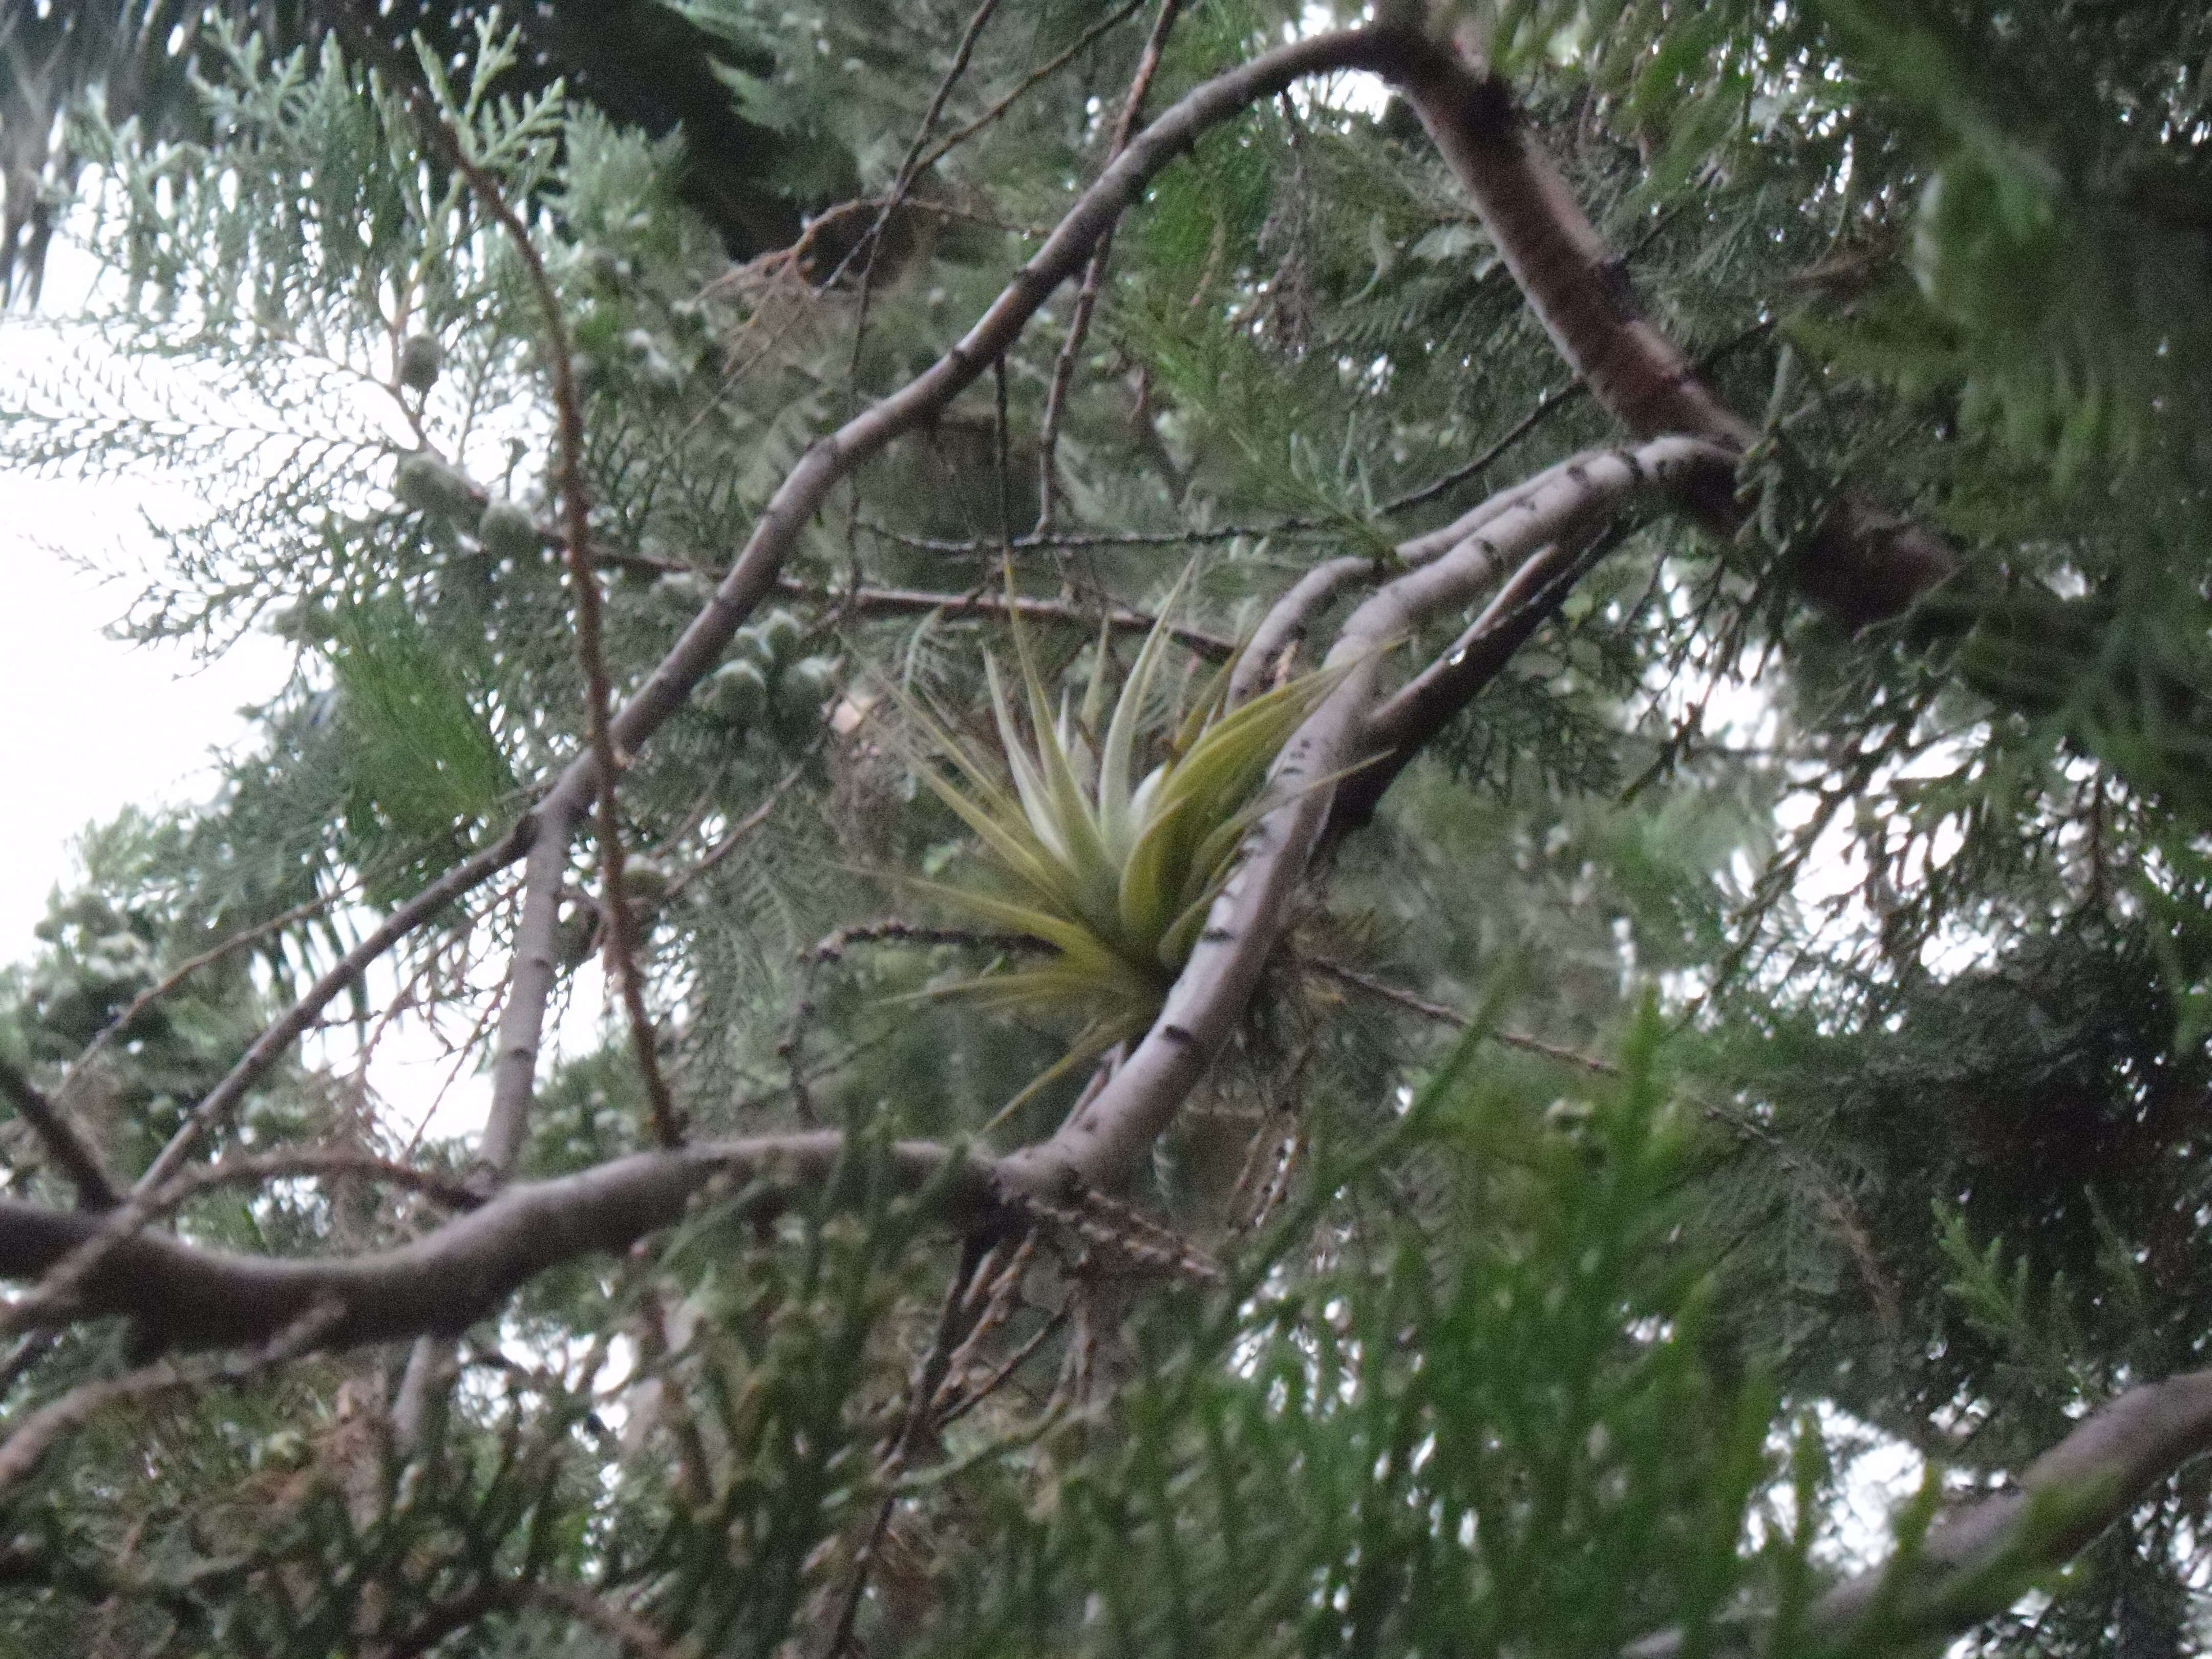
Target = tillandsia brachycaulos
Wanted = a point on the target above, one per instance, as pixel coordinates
(1107, 850)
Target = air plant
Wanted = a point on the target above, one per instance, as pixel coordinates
(1110, 871)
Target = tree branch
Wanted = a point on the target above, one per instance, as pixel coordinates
(1384, 992)
(908, 168)
(1862, 565)
(1285, 620)
(183, 1296)
(68, 1149)
(584, 583)
(1099, 1145)
(984, 602)
(276, 1038)
(1285, 624)
(185, 969)
(530, 984)
(755, 572)
(1403, 726)
(1976, 1561)
(1086, 297)
(626, 1629)
(28, 1441)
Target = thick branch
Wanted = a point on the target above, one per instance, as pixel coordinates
(1975, 1561)
(1420, 706)
(183, 1296)
(1287, 620)
(1862, 565)
(1102, 1142)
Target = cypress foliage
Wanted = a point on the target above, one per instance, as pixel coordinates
(1739, 1033)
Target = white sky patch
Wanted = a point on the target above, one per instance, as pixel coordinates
(95, 723)
(1356, 90)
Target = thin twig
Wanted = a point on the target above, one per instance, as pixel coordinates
(28, 1350)
(910, 169)
(743, 827)
(29, 1441)
(617, 1624)
(576, 514)
(277, 1036)
(1044, 71)
(1214, 648)
(1451, 1016)
(822, 224)
(1549, 402)
(921, 1394)
(830, 949)
(446, 1189)
(992, 548)
(1086, 298)
(1006, 1369)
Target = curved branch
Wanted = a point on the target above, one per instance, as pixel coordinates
(1389, 51)
(1420, 706)
(1285, 624)
(1105, 1140)
(183, 1296)
(1975, 1561)
(1404, 724)
(1285, 620)
(1863, 565)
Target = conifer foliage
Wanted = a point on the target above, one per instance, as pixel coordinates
(1232, 831)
